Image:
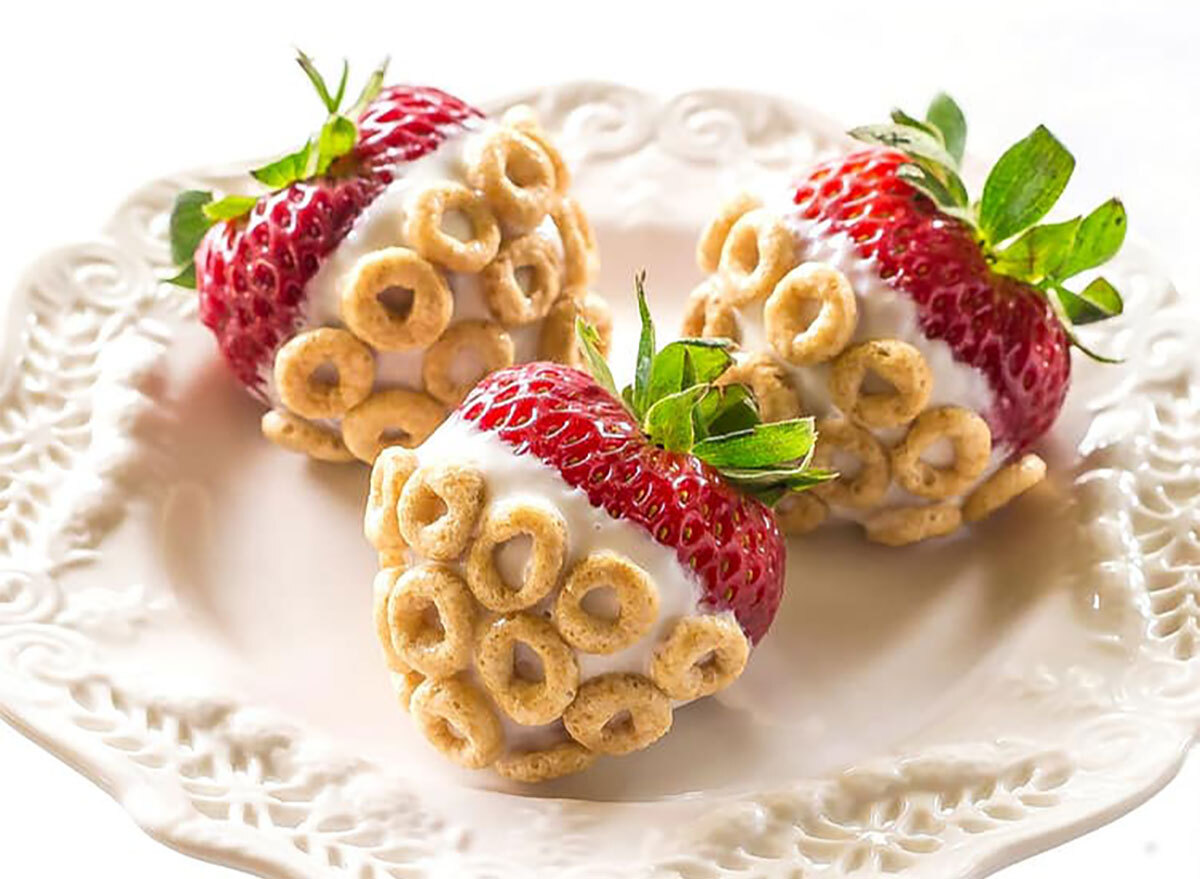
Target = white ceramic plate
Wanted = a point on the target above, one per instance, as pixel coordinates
(184, 610)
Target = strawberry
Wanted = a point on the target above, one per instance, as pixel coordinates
(687, 462)
(250, 258)
(658, 497)
(984, 279)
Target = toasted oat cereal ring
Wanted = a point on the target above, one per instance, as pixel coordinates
(457, 720)
(702, 655)
(414, 324)
(1002, 486)
(385, 581)
(800, 513)
(636, 597)
(516, 177)
(471, 341)
(898, 363)
(712, 239)
(972, 443)
(580, 255)
(708, 315)
(405, 683)
(390, 472)
(523, 119)
(439, 507)
(513, 303)
(298, 366)
(757, 253)
(430, 618)
(547, 532)
(531, 767)
(297, 435)
(531, 702)
(424, 229)
(776, 397)
(863, 489)
(904, 525)
(618, 713)
(811, 314)
(557, 341)
(394, 417)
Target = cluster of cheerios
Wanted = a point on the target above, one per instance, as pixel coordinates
(809, 314)
(450, 624)
(514, 181)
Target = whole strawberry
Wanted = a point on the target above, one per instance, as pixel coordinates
(562, 563)
(352, 248)
(880, 298)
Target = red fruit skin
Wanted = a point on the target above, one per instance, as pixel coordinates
(252, 272)
(565, 419)
(1001, 326)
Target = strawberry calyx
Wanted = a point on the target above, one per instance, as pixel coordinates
(196, 211)
(681, 408)
(1020, 190)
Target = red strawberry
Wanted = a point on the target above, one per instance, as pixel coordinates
(254, 257)
(982, 279)
(644, 460)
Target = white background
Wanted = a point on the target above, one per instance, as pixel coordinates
(100, 97)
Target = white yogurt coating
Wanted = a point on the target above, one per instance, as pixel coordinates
(381, 225)
(512, 477)
(883, 313)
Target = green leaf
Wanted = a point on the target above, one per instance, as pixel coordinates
(1098, 301)
(709, 358)
(761, 446)
(796, 478)
(341, 89)
(186, 278)
(924, 180)
(336, 139)
(945, 115)
(902, 118)
(318, 81)
(646, 348)
(726, 409)
(589, 344)
(372, 88)
(286, 170)
(230, 207)
(668, 422)
(1038, 253)
(1024, 185)
(911, 141)
(188, 224)
(1099, 238)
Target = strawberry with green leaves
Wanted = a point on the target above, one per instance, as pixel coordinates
(251, 257)
(985, 276)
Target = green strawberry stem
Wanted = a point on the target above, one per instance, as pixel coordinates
(675, 398)
(196, 211)
(1019, 191)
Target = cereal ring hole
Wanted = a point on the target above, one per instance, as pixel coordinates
(873, 385)
(397, 301)
(939, 453)
(847, 464)
(602, 603)
(527, 665)
(457, 224)
(744, 252)
(424, 630)
(522, 169)
(527, 279)
(325, 377)
(512, 559)
(620, 724)
(429, 506)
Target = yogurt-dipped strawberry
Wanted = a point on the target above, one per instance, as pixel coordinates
(406, 249)
(929, 334)
(563, 564)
